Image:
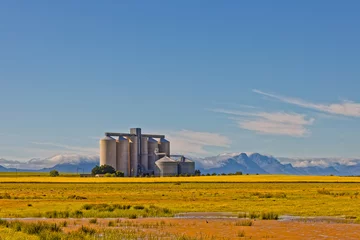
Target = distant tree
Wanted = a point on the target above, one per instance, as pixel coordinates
(214, 174)
(197, 172)
(119, 174)
(238, 173)
(54, 173)
(95, 170)
(103, 169)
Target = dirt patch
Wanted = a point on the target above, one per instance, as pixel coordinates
(226, 228)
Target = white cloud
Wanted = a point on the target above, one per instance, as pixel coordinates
(319, 162)
(346, 108)
(39, 163)
(311, 163)
(68, 148)
(194, 143)
(276, 123)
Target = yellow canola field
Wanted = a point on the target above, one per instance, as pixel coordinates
(217, 179)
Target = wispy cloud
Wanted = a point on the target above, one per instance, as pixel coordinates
(346, 108)
(194, 143)
(274, 123)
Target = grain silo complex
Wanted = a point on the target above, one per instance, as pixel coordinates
(137, 154)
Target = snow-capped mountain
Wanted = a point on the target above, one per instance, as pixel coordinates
(263, 164)
(251, 163)
(64, 163)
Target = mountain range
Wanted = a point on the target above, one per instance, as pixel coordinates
(253, 163)
(256, 163)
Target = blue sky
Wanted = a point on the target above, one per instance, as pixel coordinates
(275, 77)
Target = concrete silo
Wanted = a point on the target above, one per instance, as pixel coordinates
(152, 157)
(122, 155)
(187, 166)
(134, 156)
(164, 146)
(144, 154)
(166, 167)
(108, 151)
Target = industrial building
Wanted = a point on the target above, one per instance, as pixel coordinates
(137, 154)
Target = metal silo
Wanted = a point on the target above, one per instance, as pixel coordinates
(164, 146)
(108, 151)
(166, 167)
(144, 154)
(152, 157)
(134, 156)
(187, 167)
(122, 155)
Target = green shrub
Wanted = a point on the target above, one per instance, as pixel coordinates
(241, 233)
(87, 230)
(93, 221)
(54, 173)
(119, 174)
(57, 214)
(78, 213)
(5, 196)
(269, 216)
(245, 222)
(254, 215)
(324, 191)
(63, 224)
(242, 215)
(103, 169)
(139, 207)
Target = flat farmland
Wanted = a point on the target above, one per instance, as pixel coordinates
(58, 197)
(36, 206)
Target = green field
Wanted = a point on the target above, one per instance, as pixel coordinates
(146, 197)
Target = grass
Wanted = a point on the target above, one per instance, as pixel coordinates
(125, 230)
(249, 195)
(269, 216)
(74, 178)
(93, 221)
(245, 222)
(241, 233)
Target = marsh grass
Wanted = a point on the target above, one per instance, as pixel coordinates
(269, 216)
(63, 224)
(93, 221)
(207, 194)
(254, 215)
(132, 231)
(269, 195)
(245, 222)
(241, 233)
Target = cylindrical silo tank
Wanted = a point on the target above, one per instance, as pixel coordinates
(164, 146)
(144, 154)
(166, 167)
(152, 157)
(187, 167)
(122, 155)
(108, 151)
(134, 156)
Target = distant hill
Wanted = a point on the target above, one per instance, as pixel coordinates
(70, 163)
(224, 163)
(262, 164)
